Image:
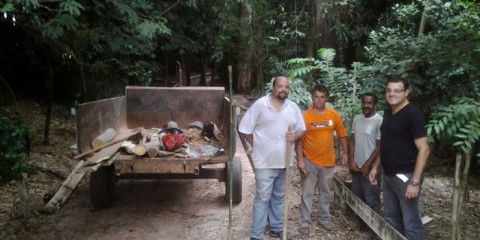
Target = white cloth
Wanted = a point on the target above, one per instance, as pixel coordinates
(367, 131)
(268, 127)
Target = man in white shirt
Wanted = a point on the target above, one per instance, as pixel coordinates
(265, 127)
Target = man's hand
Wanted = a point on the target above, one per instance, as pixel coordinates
(364, 170)
(344, 159)
(373, 176)
(290, 136)
(412, 191)
(301, 166)
(353, 167)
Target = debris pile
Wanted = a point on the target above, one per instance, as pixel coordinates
(198, 140)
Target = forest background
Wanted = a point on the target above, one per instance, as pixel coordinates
(64, 52)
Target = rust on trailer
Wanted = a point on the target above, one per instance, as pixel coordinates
(128, 164)
(93, 118)
(153, 107)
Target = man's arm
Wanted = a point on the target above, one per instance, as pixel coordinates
(249, 138)
(299, 153)
(294, 136)
(420, 162)
(351, 149)
(371, 159)
(343, 143)
(376, 164)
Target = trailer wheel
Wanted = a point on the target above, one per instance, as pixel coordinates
(102, 187)
(237, 181)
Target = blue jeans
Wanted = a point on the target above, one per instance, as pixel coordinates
(402, 214)
(368, 193)
(268, 201)
(320, 177)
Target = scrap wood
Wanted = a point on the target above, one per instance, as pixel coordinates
(104, 154)
(120, 138)
(128, 146)
(107, 163)
(140, 149)
(66, 189)
(108, 135)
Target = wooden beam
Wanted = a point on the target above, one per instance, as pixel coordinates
(376, 222)
(66, 189)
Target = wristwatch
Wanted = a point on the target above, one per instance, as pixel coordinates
(414, 182)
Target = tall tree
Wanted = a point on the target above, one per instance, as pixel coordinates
(244, 72)
(102, 40)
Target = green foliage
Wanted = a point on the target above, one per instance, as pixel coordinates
(97, 43)
(339, 81)
(460, 121)
(441, 59)
(13, 147)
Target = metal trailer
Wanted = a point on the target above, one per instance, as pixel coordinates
(151, 107)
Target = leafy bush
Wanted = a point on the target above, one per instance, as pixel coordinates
(460, 121)
(14, 145)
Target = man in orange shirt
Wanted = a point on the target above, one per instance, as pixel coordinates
(316, 157)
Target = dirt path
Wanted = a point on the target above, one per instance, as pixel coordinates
(182, 209)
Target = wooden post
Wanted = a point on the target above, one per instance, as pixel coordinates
(287, 184)
(24, 198)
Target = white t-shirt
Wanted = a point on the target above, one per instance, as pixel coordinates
(367, 131)
(269, 126)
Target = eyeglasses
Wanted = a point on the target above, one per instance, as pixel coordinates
(395, 91)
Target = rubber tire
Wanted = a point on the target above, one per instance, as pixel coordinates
(102, 187)
(237, 181)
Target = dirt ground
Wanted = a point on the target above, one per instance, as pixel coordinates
(179, 209)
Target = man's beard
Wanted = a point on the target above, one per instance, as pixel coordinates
(282, 97)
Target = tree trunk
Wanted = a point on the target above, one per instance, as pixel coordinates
(455, 198)
(48, 113)
(244, 53)
(310, 41)
(423, 21)
(203, 74)
(319, 25)
(459, 193)
(166, 74)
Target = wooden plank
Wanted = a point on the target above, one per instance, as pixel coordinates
(105, 163)
(66, 189)
(149, 166)
(106, 149)
(104, 154)
(376, 222)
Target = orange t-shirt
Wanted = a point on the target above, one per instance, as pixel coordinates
(317, 142)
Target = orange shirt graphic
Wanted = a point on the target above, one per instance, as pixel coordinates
(318, 145)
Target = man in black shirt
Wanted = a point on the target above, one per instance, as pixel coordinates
(403, 154)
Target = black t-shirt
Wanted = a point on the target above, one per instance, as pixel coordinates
(397, 149)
